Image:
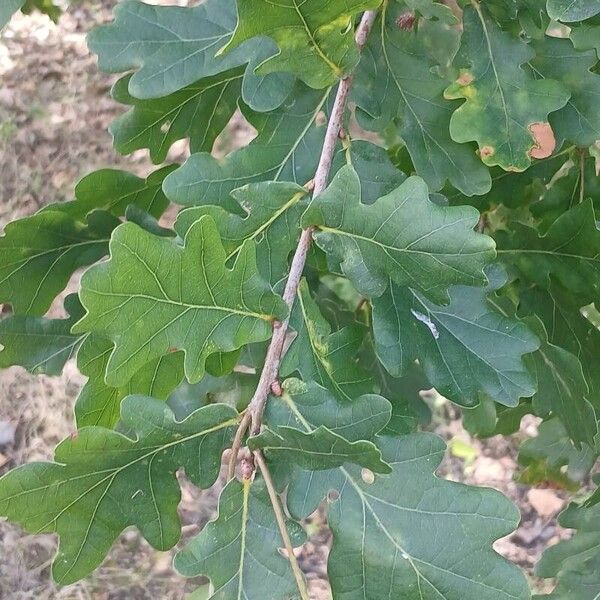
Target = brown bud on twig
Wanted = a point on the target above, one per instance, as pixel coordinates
(276, 388)
(406, 21)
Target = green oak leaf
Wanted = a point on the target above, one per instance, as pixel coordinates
(272, 213)
(378, 175)
(114, 191)
(99, 404)
(103, 482)
(317, 354)
(395, 81)
(569, 252)
(375, 243)
(318, 450)
(398, 534)
(579, 120)
(315, 39)
(306, 406)
(286, 149)
(575, 180)
(551, 450)
(505, 109)
(586, 36)
(8, 9)
(569, 11)
(172, 47)
(238, 550)
(562, 390)
(40, 345)
(235, 390)
(39, 254)
(198, 112)
(309, 408)
(154, 296)
(567, 328)
(466, 348)
(511, 189)
(575, 563)
(146, 221)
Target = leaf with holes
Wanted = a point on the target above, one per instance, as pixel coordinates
(81, 496)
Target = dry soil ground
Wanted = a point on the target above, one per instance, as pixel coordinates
(54, 110)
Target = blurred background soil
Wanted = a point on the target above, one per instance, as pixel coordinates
(55, 108)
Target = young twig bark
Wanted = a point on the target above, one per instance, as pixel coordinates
(272, 360)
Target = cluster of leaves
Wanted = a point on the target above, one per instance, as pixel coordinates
(460, 253)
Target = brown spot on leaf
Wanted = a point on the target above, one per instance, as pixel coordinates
(406, 21)
(545, 142)
(465, 78)
(487, 151)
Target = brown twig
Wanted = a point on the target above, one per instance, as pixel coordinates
(271, 368)
(272, 360)
(237, 444)
(280, 518)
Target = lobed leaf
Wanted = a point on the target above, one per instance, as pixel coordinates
(569, 252)
(99, 404)
(318, 449)
(315, 39)
(154, 296)
(431, 539)
(561, 388)
(395, 80)
(569, 11)
(40, 345)
(286, 149)
(238, 550)
(103, 482)
(198, 112)
(579, 120)
(505, 110)
(272, 214)
(403, 237)
(466, 348)
(575, 562)
(317, 354)
(39, 254)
